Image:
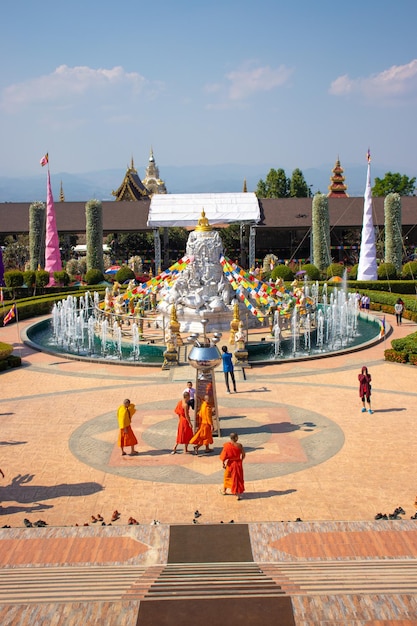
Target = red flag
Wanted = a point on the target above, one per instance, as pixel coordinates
(44, 160)
(10, 315)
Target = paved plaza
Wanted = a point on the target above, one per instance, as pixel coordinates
(311, 455)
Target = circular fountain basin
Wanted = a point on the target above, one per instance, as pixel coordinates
(368, 333)
(40, 337)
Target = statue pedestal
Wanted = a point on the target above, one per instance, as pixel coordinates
(170, 358)
(241, 357)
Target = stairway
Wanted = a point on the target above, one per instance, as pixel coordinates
(30, 585)
(366, 576)
(212, 580)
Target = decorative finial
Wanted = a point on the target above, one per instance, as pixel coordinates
(61, 194)
(151, 157)
(203, 223)
(132, 165)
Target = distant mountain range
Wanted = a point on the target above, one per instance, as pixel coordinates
(227, 178)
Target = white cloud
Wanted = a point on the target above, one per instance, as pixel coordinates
(247, 81)
(68, 84)
(399, 81)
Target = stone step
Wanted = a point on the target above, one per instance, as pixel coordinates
(219, 580)
(72, 584)
(345, 577)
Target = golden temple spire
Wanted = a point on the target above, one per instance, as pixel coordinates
(203, 223)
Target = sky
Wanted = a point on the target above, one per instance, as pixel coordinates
(281, 83)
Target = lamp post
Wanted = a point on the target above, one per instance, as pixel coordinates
(204, 356)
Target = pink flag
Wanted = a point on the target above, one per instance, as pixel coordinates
(52, 253)
(44, 160)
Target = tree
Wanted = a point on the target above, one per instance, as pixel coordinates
(37, 235)
(16, 252)
(298, 185)
(276, 185)
(94, 235)
(394, 183)
(230, 237)
(393, 235)
(125, 245)
(321, 231)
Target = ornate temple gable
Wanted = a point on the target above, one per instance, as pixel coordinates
(152, 181)
(132, 188)
(337, 189)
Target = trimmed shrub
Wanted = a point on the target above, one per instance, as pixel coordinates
(312, 271)
(282, 271)
(13, 278)
(395, 357)
(94, 277)
(62, 277)
(29, 278)
(412, 358)
(405, 343)
(14, 361)
(387, 271)
(5, 350)
(124, 274)
(42, 278)
(409, 271)
(353, 273)
(335, 269)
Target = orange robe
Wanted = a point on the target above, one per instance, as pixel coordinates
(204, 435)
(124, 417)
(233, 474)
(184, 432)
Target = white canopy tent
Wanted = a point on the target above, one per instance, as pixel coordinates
(220, 208)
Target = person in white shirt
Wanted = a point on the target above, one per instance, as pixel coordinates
(399, 308)
(190, 389)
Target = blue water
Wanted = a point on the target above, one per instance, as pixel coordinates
(367, 330)
(41, 335)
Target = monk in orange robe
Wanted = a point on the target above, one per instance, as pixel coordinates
(232, 456)
(127, 437)
(185, 430)
(204, 434)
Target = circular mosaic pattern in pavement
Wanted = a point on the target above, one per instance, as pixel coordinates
(279, 439)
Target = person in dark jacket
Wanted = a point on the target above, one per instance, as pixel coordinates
(365, 389)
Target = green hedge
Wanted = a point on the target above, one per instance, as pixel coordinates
(42, 305)
(10, 362)
(403, 350)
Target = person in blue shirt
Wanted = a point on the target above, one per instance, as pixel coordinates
(228, 369)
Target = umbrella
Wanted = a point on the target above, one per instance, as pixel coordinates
(113, 269)
(301, 272)
(336, 279)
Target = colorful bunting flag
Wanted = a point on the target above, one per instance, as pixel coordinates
(10, 315)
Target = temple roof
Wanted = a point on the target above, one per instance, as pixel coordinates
(337, 189)
(132, 188)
